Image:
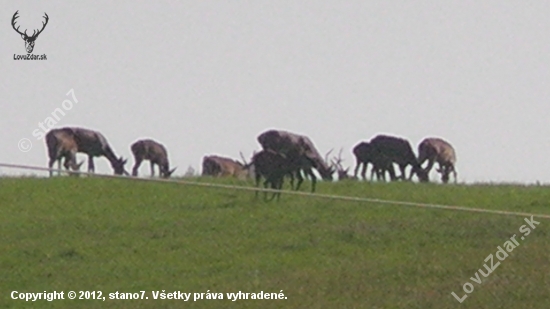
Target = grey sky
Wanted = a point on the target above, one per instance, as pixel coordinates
(208, 76)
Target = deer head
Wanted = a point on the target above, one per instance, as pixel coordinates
(118, 166)
(326, 174)
(74, 166)
(167, 173)
(29, 40)
(337, 164)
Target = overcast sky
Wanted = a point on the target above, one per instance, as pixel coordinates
(205, 77)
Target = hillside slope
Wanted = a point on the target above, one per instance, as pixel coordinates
(110, 235)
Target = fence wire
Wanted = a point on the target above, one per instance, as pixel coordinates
(289, 192)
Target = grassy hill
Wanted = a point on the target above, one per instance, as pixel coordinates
(110, 235)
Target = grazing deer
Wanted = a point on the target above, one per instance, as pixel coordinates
(398, 150)
(303, 164)
(286, 143)
(147, 149)
(272, 166)
(61, 144)
(217, 166)
(440, 151)
(29, 40)
(94, 144)
(364, 154)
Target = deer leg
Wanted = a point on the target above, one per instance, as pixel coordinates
(258, 178)
(403, 169)
(91, 167)
(413, 171)
(67, 162)
(50, 165)
(300, 179)
(381, 174)
(267, 181)
(364, 171)
(357, 165)
(136, 167)
(391, 170)
(313, 179)
(281, 182)
(291, 175)
(59, 158)
(431, 162)
(274, 186)
(454, 174)
(373, 171)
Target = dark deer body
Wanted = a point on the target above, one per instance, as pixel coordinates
(298, 148)
(61, 144)
(29, 40)
(273, 167)
(440, 151)
(399, 151)
(153, 151)
(94, 144)
(221, 167)
(364, 154)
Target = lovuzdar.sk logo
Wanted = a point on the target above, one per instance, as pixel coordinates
(29, 39)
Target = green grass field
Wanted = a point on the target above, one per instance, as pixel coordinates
(93, 234)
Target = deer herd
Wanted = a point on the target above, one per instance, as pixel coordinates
(283, 154)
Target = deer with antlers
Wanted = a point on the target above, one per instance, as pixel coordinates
(286, 142)
(217, 166)
(342, 173)
(29, 40)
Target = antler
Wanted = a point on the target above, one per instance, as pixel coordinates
(337, 161)
(326, 156)
(34, 33)
(242, 157)
(13, 24)
(43, 26)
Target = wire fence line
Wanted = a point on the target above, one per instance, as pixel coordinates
(289, 192)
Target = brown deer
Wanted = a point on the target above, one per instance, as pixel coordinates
(29, 40)
(94, 144)
(147, 149)
(438, 150)
(61, 144)
(218, 166)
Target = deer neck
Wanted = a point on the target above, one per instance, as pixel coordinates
(110, 155)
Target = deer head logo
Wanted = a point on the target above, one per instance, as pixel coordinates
(29, 40)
